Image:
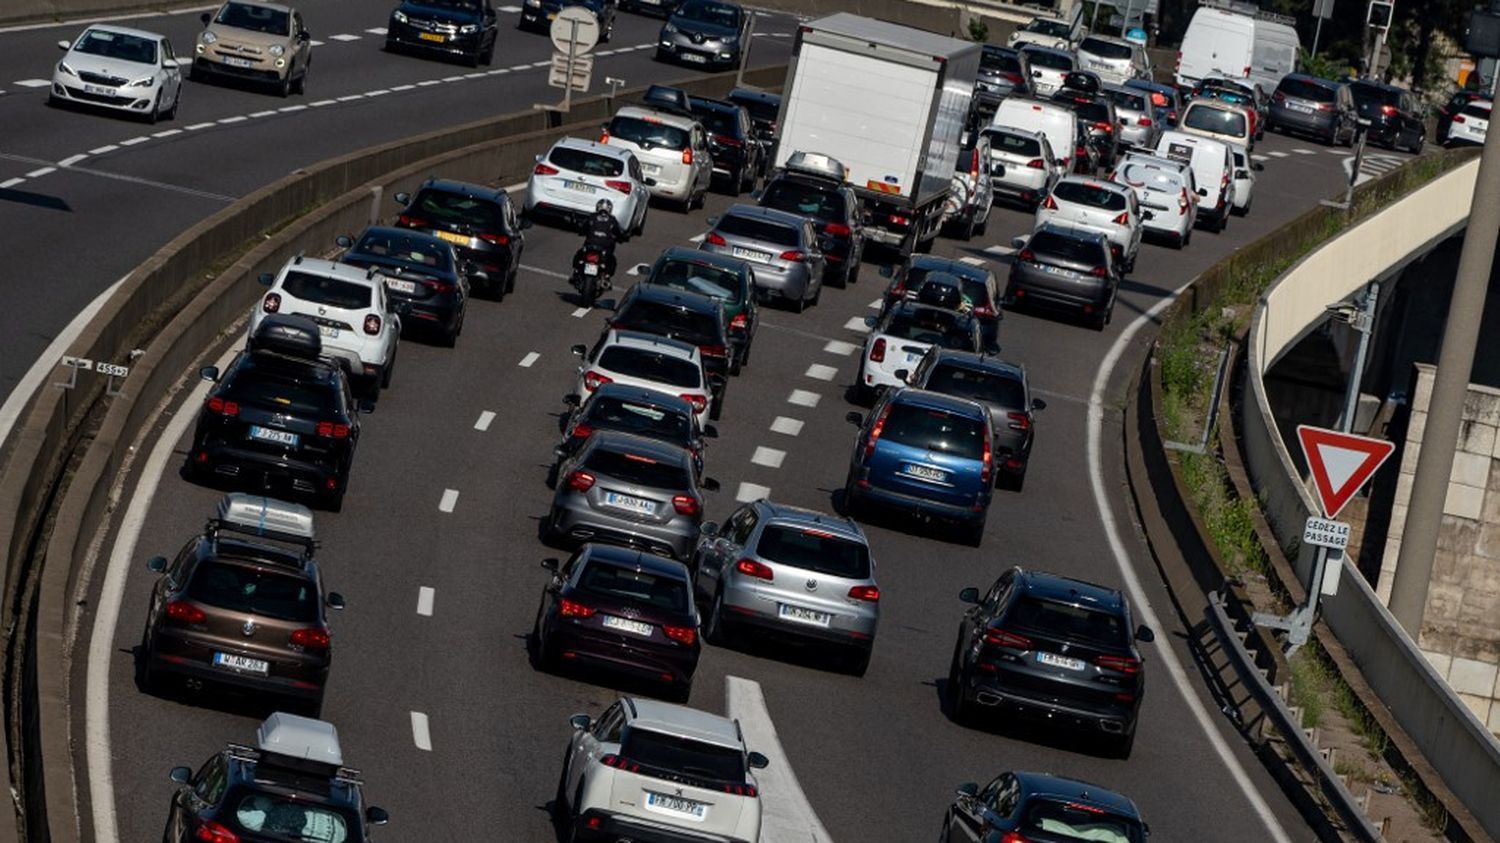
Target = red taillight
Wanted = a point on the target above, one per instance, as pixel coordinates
(897, 219)
(1049, 203)
(272, 302)
(713, 351)
(715, 239)
(580, 481)
(1015, 836)
(410, 221)
(687, 155)
(1036, 164)
(1013, 78)
(699, 402)
(1027, 255)
(591, 257)
(988, 463)
(877, 350)
(876, 430)
(983, 311)
(1100, 272)
(1457, 118)
(686, 505)
(495, 239)
(1081, 151)
(752, 568)
(838, 229)
(869, 593)
(617, 184)
(212, 832)
(222, 407)
(604, 137)
(593, 380)
(1104, 126)
(620, 763)
(333, 430)
(313, 638)
(740, 322)
(1019, 421)
(1246, 71)
(185, 612)
(793, 255)
(1178, 64)
(372, 324)
(742, 790)
(1388, 110)
(582, 430)
(726, 140)
(573, 609)
(1144, 121)
(542, 169)
(1124, 664)
(1003, 638)
(684, 635)
(1123, 219)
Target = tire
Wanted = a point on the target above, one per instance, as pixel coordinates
(678, 692)
(155, 113)
(853, 275)
(716, 630)
(308, 708)
(660, 55)
(487, 57)
(857, 661)
(851, 506)
(560, 799)
(818, 296)
(300, 86)
(972, 534)
(385, 374)
(799, 305)
(575, 832)
(171, 113)
(543, 658)
(957, 706)
(334, 501)
(745, 355)
(966, 231)
(284, 87)
(1121, 745)
(1180, 241)
(984, 226)
(588, 291)
(716, 409)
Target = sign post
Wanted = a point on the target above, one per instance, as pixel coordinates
(1322, 10)
(575, 31)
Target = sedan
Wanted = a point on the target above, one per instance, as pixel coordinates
(704, 33)
(423, 277)
(568, 182)
(119, 69)
(782, 248)
(1098, 205)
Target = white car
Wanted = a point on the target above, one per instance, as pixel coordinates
(1471, 124)
(904, 334)
(649, 770)
(1165, 192)
(1022, 166)
(673, 151)
(575, 174)
(351, 309)
(1244, 180)
(1043, 31)
(122, 69)
(1218, 120)
(1107, 207)
(1048, 67)
(648, 361)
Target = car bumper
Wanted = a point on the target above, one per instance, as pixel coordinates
(615, 827)
(441, 311)
(1023, 190)
(118, 99)
(763, 612)
(227, 461)
(1030, 286)
(1167, 221)
(1136, 135)
(994, 693)
(1462, 133)
(409, 37)
(708, 53)
(582, 523)
(922, 507)
(186, 657)
(574, 644)
(257, 69)
(1301, 121)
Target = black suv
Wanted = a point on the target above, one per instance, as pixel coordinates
(999, 387)
(1031, 806)
(480, 222)
(280, 416)
(1099, 126)
(424, 279)
(465, 29)
(538, 18)
(833, 207)
(686, 317)
(292, 782)
(635, 409)
(1395, 114)
(764, 108)
(1046, 645)
(729, 280)
(738, 156)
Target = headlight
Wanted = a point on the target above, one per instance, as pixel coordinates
(278, 50)
(208, 37)
(63, 66)
(730, 39)
(535, 4)
(143, 83)
(398, 16)
(670, 29)
(468, 29)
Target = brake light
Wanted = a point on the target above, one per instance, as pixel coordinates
(868, 593)
(877, 350)
(752, 568)
(983, 311)
(212, 832)
(715, 239)
(1388, 110)
(740, 322)
(686, 505)
(272, 302)
(616, 184)
(793, 255)
(1100, 272)
(974, 165)
(728, 141)
(410, 221)
(699, 402)
(544, 170)
(1036, 164)
(1049, 203)
(604, 136)
(837, 229)
(687, 155)
(876, 430)
(372, 324)
(1457, 118)
(591, 257)
(1015, 836)
(897, 219)
(1004, 638)
(1081, 151)
(1027, 255)
(582, 430)
(684, 635)
(742, 790)
(1019, 421)
(1104, 126)
(185, 612)
(223, 408)
(580, 481)
(333, 430)
(1013, 78)
(495, 239)
(313, 638)
(593, 380)
(1124, 664)
(1246, 71)
(1123, 219)
(1144, 121)
(713, 351)
(620, 763)
(988, 463)
(573, 609)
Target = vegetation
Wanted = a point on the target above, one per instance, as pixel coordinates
(979, 30)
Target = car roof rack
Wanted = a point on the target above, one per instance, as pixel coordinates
(300, 746)
(1250, 9)
(816, 165)
(263, 517)
(668, 99)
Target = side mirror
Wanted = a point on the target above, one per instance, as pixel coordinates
(711, 431)
(756, 193)
(1038, 404)
(541, 158)
(551, 563)
(579, 350)
(205, 17)
(265, 279)
(968, 789)
(1144, 633)
(376, 816)
(709, 528)
(581, 722)
(209, 373)
(64, 45)
(334, 600)
(402, 198)
(649, 182)
(642, 268)
(758, 761)
(366, 406)
(854, 418)
(156, 564)
(969, 595)
(344, 241)
(304, 35)
(1019, 242)
(181, 775)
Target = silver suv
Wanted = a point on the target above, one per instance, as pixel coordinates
(792, 573)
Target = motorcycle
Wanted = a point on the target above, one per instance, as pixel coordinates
(590, 274)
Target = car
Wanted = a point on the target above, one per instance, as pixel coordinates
(1396, 117)
(1043, 31)
(1244, 179)
(629, 490)
(1048, 67)
(1319, 107)
(979, 288)
(764, 108)
(338, 297)
(570, 179)
(783, 249)
(1054, 120)
(1166, 194)
(661, 8)
(1212, 164)
(1166, 100)
(1218, 120)
(1003, 72)
(1099, 127)
(816, 186)
(705, 33)
(1455, 105)
(1246, 93)
(1242, 99)
(462, 29)
(1065, 267)
(648, 361)
(902, 335)
(1103, 206)
(692, 318)
(258, 42)
(1027, 806)
(967, 210)
(649, 770)
(1139, 125)
(1114, 59)
(729, 281)
(293, 780)
(620, 610)
(1023, 167)
(424, 280)
(738, 157)
(644, 412)
(1470, 125)
(1002, 388)
(673, 151)
(923, 454)
(480, 221)
(118, 69)
(243, 605)
(537, 15)
(1057, 648)
(280, 416)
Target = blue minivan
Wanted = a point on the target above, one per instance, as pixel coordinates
(926, 454)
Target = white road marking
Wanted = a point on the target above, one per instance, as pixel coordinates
(343, 36)
(479, 74)
(378, 92)
(403, 88)
(875, 305)
(768, 457)
(196, 126)
(167, 133)
(420, 734)
(71, 160)
(425, 594)
(971, 260)
(238, 118)
(427, 83)
(550, 273)
(315, 43)
(34, 83)
(318, 104)
(580, 313)
(519, 67)
(786, 813)
(602, 53)
(8, 184)
(530, 358)
(287, 109)
(546, 63)
(134, 141)
(803, 398)
(1300, 151)
(821, 372)
(1002, 251)
(751, 492)
(509, 10)
(499, 71)
(351, 97)
(42, 171)
(1258, 157)
(786, 426)
(109, 147)
(376, 30)
(697, 238)
(634, 270)
(485, 418)
(450, 499)
(843, 349)
(259, 114)
(859, 324)
(1276, 153)
(457, 78)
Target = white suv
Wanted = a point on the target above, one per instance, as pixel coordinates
(647, 361)
(673, 151)
(351, 309)
(1104, 206)
(648, 770)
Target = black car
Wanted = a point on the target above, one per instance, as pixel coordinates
(729, 280)
(1099, 127)
(1003, 72)
(633, 409)
(705, 33)
(464, 29)
(1023, 806)
(661, 8)
(482, 224)
(423, 278)
(280, 417)
(764, 108)
(834, 208)
(1050, 646)
(537, 15)
(293, 780)
(1455, 106)
(687, 317)
(980, 287)
(1002, 388)
(739, 158)
(1395, 115)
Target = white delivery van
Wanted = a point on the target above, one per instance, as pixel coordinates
(1213, 171)
(1057, 122)
(1237, 41)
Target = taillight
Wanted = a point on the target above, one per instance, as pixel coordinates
(544, 170)
(580, 481)
(877, 350)
(1246, 71)
(713, 351)
(740, 322)
(212, 832)
(685, 635)
(876, 430)
(617, 184)
(699, 402)
(987, 460)
(272, 303)
(686, 505)
(1388, 110)
(742, 790)
(185, 612)
(687, 155)
(312, 637)
(1457, 118)
(619, 762)
(573, 609)
(1123, 219)
(868, 593)
(1178, 64)
(412, 222)
(1049, 203)
(1004, 638)
(333, 430)
(591, 257)
(372, 324)
(715, 239)
(1036, 164)
(837, 229)
(222, 407)
(604, 137)
(593, 380)
(897, 219)
(1100, 272)
(1013, 78)
(1144, 121)
(1027, 255)
(793, 255)
(582, 430)
(1019, 421)
(1013, 837)
(1081, 151)
(1104, 126)
(983, 311)
(1124, 664)
(495, 239)
(726, 140)
(752, 568)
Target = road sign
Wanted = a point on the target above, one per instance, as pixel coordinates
(1326, 533)
(1340, 463)
(1378, 15)
(578, 25)
(582, 71)
(1323, 9)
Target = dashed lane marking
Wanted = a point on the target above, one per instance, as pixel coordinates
(196, 126)
(858, 323)
(315, 43)
(257, 115)
(751, 492)
(100, 150)
(38, 173)
(530, 358)
(1300, 151)
(971, 260)
(519, 67)
(1258, 157)
(509, 10)
(343, 36)
(134, 141)
(550, 273)
(803, 398)
(843, 349)
(696, 238)
(238, 118)
(1002, 251)
(427, 83)
(288, 109)
(378, 92)
(821, 372)
(71, 160)
(768, 457)
(167, 133)
(546, 63)
(421, 735)
(9, 183)
(320, 103)
(1276, 153)
(786, 426)
(580, 313)
(350, 97)
(376, 30)
(875, 305)
(425, 595)
(450, 500)
(396, 88)
(34, 83)
(485, 418)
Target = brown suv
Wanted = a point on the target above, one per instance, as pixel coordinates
(243, 605)
(257, 42)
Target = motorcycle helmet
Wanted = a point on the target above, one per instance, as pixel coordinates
(941, 289)
(604, 207)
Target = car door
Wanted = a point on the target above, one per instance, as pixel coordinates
(972, 815)
(171, 74)
(303, 40)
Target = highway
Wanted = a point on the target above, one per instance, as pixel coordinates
(436, 549)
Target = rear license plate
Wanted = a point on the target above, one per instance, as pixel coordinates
(1297, 106)
(627, 625)
(1054, 270)
(694, 58)
(924, 472)
(666, 804)
(328, 331)
(913, 356)
(1063, 662)
(280, 437)
(630, 502)
(591, 269)
(400, 286)
(650, 168)
(460, 239)
(801, 615)
(95, 89)
(751, 254)
(580, 186)
(431, 36)
(243, 664)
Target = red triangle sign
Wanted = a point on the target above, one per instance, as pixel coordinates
(1340, 463)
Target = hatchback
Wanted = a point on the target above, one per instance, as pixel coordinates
(1470, 125)
(790, 574)
(568, 182)
(423, 277)
(904, 333)
(705, 33)
(1396, 117)
(924, 454)
(1166, 100)
(1051, 646)
(481, 222)
(728, 281)
(1454, 106)
(1046, 31)
(119, 69)
(633, 409)
(1165, 192)
(629, 490)
(692, 318)
(621, 610)
(1048, 67)
(1138, 123)
(1003, 72)
(1024, 806)
(259, 42)
(644, 360)
(1114, 59)
(1102, 206)
(1060, 266)
(764, 108)
(462, 29)
(1219, 121)
(1002, 388)
(782, 248)
(979, 287)
(1022, 165)
(673, 151)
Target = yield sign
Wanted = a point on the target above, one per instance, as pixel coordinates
(1340, 463)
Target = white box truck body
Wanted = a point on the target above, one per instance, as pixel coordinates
(1236, 41)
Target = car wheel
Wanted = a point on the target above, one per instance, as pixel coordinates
(385, 374)
(678, 692)
(716, 409)
(853, 276)
(745, 355)
(973, 534)
(660, 55)
(1013, 481)
(817, 296)
(334, 501)
(850, 505)
(799, 305)
(966, 231)
(543, 655)
(488, 56)
(958, 707)
(176, 101)
(560, 799)
(284, 87)
(1121, 745)
(308, 708)
(983, 226)
(716, 631)
(575, 830)
(155, 113)
(1179, 241)
(857, 661)
(300, 86)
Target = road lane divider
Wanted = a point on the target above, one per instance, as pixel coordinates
(449, 500)
(485, 419)
(786, 814)
(421, 733)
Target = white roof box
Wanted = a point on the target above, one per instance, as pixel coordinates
(817, 164)
(300, 738)
(257, 515)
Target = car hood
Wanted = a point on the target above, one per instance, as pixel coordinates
(698, 27)
(107, 66)
(236, 35)
(440, 13)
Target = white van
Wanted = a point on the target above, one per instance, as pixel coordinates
(1057, 122)
(1213, 171)
(1261, 47)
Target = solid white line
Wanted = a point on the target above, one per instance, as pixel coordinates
(38, 173)
(803, 398)
(238, 118)
(167, 133)
(821, 372)
(33, 83)
(425, 595)
(9, 183)
(530, 358)
(786, 813)
(450, 499)
(857, 323)
(751, 492)
(786, 426)
(134, 141)
(580, 313)
(1147, 613)
(485, 418)
(843, 349)
(71, 160)
(420, 735)
(768, 457)
(109, 147)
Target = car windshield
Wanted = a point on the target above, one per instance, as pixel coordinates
(333, 292)
(607, 579)
(281, 817)
(117, 45)
(1478, 109)
(650, 365)
(703, 279)
(975, 289)
(718, 122)
(638, 470)
(1129, 100)
(683, 755)
(413, 251)
(819, 202)
(1146, 176)
(583, 161)
(814, 550)
(976, 384)
(1066, 248)
(1091, 194)
(262, 386)
(255, 17)
(1050, 60)
(680, 323)
(1104, 49)
(935, 430)
(1045, 26)
(648, 134)
(461, 208)
(1015, 144)
(945, 328)
(255, 590)
(717, 14)
(1061, 821)
(633, 417)
(763, 231)
(1219, 121)
(1075, 623)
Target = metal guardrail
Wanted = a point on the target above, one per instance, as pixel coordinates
(1329, 785)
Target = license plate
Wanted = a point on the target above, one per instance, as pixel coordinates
(234, 62)
(1063, 662)
(667, 804)
(95, 89)
(694, 58)
(627, 625)
(924, 472)
(1054, 270)
(913, 356)
(267, 434)
(750, 254)
(243, 664)
(460, 239)
(1295, 106)
(651, 168)
(591, 269)
(630, 502)
(433, 36)
(801, 615)
(329, 331)
(580, 186)
(399, 286)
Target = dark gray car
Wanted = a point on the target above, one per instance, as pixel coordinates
(1064, 267)
(1308, 105)
(999, 386)
(783, 249)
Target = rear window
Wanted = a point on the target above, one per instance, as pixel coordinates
(1369, 93)
(1092, 112)
(1014, 144)
(814, 550)
(333, 292)
(637, 469)
(943, 328)
(609, 580)
(1068, 248)
(1307, 90)
(632, 417)
(1104, 49)
(648, 134)
(763, 231)
(703, 279)
(407, 249)
(1151, 178)
(976, 289)
(583, 161)
(678, 323)
(650, 365)
(1128, 100)
(718, 122)
(457, 208)
(1049, 60)
(1481, 110)
(689, 757)
(1090, 194)
(795, 197)
(935, 430)
(255, 591)
(285, 818)
(988, 387)
(1075, 623)
(1220, 121)
(1071, 821)
(261, 388)
(996, 60)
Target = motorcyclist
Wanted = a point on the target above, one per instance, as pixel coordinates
(600, 234)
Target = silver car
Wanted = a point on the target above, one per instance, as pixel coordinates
(1138, 123)
(790, 573)
(629, 490)
(1048, 67)
(782, 248)
(1114, 59)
